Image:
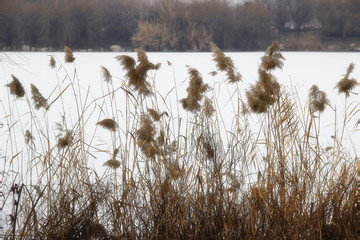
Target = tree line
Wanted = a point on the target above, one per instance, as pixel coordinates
(170, 24)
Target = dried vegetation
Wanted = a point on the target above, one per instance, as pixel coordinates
(196, 182)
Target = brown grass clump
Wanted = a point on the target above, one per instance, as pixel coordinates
(52, 62)
(39, 100)
(108, 123)
(345, 85)
(317, 99)
(266, 89)
(225, 64)
(137, 74)
(195, 91)
(106, 74)
(69, 57)
(16, 88)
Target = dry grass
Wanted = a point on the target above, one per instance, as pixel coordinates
(165, 181)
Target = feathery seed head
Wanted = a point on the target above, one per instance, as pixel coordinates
(106, 74)
(225, 64)
(208, 108)
(112, 163)
(272, 58)
(195, 91)
(28, 137)
(128, 63)
(38, 99)
(154, 114)
(345, 85)
(52, 62)
(317, 99)
(137, 74)
(69, 57)
(16, 88)
(145, 136)
(108, 123)
(266, 89)
(66, 140)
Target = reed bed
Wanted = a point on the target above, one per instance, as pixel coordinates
(179, 177)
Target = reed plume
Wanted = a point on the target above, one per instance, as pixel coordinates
(195, 91)
(345, 85)
(66, 140)
(113, 163)
(272, 58)
(106, 74)
(29, 137)
(16, 88)
(225, 64)
(208, 107)
(209, 150)
(154, 114)
(52, 62)
(108, 124)
(317, 99)
(145, 136)
(266, 89)
(213, 73)
(38, 99)
(69, 57)
(137, 73)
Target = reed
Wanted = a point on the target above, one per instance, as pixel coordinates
(268, 180)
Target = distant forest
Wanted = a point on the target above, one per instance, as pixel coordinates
(175, 25)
